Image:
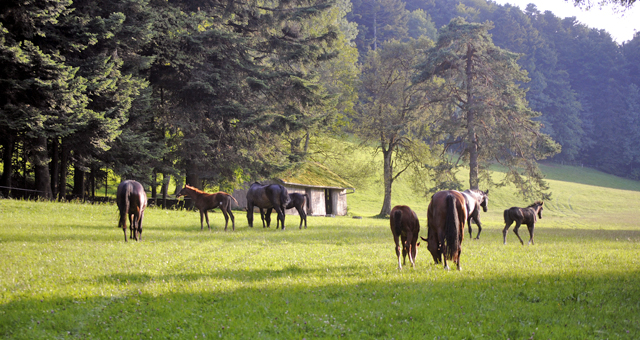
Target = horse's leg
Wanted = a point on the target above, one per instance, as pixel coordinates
(280, 213)
(130, 216)
(515, 230)
(469, 224)
(477, 220)
(398, 250)
(267, 218)
(504, 231)
(250, 214)
(410, 249)
(530, 226)
(201, 220)
(140, 225)
(226, 216)
(262, 217)
(443, 250)
(233, 219)
(123, 222)
(303, 216)
(206, 216)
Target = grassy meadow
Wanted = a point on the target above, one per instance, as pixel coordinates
(66, 273)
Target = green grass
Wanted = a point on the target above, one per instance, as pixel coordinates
(66, 272)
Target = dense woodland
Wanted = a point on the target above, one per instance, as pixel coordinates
(215, 93)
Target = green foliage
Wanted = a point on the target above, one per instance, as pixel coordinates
(485, 114)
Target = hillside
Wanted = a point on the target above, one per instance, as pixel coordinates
(581, 197)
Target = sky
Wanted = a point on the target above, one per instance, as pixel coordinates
(621, 26)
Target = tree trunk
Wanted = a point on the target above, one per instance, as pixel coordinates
(78, 182)
(55, 166)
(192, 176)
(165, 187)
(41, 168)
(388, 181)
(7, 161)
(64, 160)
(472, 138)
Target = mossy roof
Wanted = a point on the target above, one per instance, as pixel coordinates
(314, 174)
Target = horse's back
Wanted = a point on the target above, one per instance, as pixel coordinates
(131, 196)
(403, 217)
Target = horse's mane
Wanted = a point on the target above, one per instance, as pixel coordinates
(535, 203)
(195, 189)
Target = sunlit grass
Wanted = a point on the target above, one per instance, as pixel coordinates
(66, 272)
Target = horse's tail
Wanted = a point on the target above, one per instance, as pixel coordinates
(124, 209)
(397, 221)
(506, 216)
(451, 227)
(284, 196)
(233, 198)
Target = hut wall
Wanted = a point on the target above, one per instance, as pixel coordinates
(339, 200)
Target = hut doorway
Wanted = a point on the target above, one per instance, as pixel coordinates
(328, 202)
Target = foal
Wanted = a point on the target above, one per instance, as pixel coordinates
(406, 227)
(205, 202)
(522, 215)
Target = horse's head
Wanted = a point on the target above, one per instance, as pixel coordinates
(484, 202)
(182, 192)
(540, 204)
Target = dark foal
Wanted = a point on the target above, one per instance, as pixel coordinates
(528, 216)
(405, 227)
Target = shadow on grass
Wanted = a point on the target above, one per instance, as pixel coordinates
(411, 305)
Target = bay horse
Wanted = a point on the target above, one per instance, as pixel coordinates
(131, 200)
(522, 215)
(297, 201)
(205, 202)
(446, 216)
(406, 227)
(475, 199)
(264, 197)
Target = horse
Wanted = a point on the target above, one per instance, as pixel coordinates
(406, 226)
(131, 200)
(264, 197)
(205, 202)
(297, 201)
(522, 215)
(446, 216)
(475, 199)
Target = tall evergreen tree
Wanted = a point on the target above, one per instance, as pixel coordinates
(488, 115)
(232, 78)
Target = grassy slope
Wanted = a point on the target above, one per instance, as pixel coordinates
(65, 272)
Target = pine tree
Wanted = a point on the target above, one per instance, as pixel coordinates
(488, 116)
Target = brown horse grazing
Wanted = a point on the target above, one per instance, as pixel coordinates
(205, 202)
(522, 215)
(297, 201)
(447, 214)
(406, 226)
(264, 197)
(131, 200)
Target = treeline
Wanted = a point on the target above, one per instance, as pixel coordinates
(221, 92)
(210, 90)
(584, 83)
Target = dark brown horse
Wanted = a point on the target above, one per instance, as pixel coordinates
(131, 200)
(297, 201)
(406, 226)
(264, 197)
(447, 214)
(205, 202)
(522, 215)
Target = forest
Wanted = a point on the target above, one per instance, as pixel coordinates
(217, 93)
